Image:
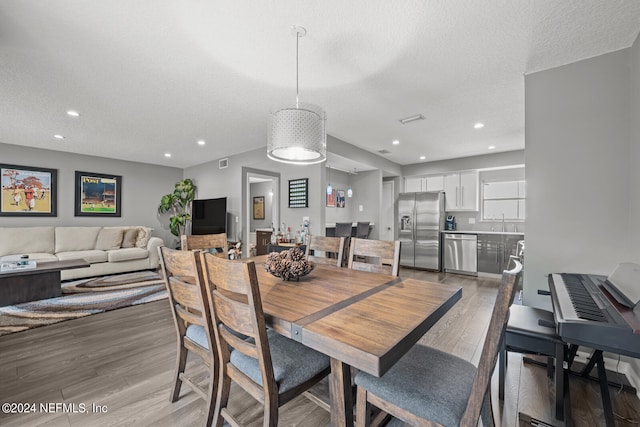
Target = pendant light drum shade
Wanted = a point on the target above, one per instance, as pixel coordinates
(297, 135)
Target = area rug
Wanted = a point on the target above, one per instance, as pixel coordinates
(82, 298)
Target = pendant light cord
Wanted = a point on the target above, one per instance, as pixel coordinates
(297, 90)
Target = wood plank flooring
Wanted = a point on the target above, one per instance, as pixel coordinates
(122, 362)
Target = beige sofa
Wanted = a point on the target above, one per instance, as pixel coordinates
(109, 250)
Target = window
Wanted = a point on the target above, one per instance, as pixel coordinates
(503, 198)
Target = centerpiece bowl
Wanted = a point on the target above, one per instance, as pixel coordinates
(288, 265)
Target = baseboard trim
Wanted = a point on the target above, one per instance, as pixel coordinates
(613, 364)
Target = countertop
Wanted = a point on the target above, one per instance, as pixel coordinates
(509, 233)
(333, 224)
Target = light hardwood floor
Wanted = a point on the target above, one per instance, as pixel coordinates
(123, 361)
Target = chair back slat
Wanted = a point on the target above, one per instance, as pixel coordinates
(381, 256)
(206, 241)
(186, 294)
(234, 314)
(191, 317)
(328, 245)
(489, 355)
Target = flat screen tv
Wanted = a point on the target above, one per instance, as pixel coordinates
(209, 216)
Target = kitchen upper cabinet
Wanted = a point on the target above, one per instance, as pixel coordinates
(424, 183)
(434, 183)
(461, 190)
(414, 184)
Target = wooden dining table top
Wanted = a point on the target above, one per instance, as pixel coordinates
(366, 320)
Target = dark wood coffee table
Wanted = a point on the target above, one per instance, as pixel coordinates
(35, 284)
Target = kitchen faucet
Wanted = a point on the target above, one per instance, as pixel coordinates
(503, 222)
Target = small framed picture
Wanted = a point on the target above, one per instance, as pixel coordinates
(331, 199)
(98, 194)
(28, 191)
(340, 201)
(258, 207)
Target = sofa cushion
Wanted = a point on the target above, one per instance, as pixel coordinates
(26, 240)
(36, 256)
(92, 256)
(126, 254)
(143, 237)
(70, 239)
(109, 238)
(130, 237)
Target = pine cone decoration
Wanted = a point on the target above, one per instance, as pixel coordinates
(288, 265)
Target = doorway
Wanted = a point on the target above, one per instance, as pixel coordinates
(260, 203)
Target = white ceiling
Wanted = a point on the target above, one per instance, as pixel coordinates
(154, 76)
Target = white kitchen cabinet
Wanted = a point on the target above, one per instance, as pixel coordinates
(435, 183)
(461, 191)
(414, 184)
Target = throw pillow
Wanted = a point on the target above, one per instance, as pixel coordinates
(144, 235)
(109, 239)
(130, 238)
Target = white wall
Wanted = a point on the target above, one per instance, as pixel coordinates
(634, 155)
(494, 160)
(142, 187)
(262, 189)
(577, 133)
(340, 181)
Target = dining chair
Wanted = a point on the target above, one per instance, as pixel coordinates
(362, 229)
(272, 368)
(344, 229)
(209, 242)
(193, 322)
(328, 245)
(532, 330)
(431, 387)
(379, 256)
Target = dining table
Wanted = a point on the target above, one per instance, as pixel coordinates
(359, 319)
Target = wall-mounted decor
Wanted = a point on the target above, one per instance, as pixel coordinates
(340, 198)
(28, 191)
(331, 199)
(98, 194)
(299, 193)
(258, 207)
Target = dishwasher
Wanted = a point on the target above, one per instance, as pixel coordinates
(461, 253)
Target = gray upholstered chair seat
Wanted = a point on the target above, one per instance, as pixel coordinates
(293, 363)
(426, 382)
(197, 334)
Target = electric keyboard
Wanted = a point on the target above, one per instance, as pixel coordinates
(587, 314)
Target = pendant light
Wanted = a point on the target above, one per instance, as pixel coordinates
(349, 190)
(297, 133)
(329, 188)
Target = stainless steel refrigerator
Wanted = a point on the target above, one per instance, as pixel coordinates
(421, 217)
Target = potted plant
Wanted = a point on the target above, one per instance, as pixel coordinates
(179, 202)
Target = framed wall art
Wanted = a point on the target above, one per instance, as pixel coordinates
(299, 193)
(28, 191)
(340, 200)
(331, 199)
(98, 194)
(258, 207)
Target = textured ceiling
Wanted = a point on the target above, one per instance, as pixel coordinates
(155, 76)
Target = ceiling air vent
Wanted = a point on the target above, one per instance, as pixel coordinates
(223, 163)
(384, 151)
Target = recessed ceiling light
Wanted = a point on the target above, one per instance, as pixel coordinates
(167, 154)
(491, 147)
(478, 125)
(56, 136)
(395, 142)
(423, 157)
(73, 113)
(201, 142)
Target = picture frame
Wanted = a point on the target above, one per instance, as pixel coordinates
(331, 199)
(299, 193)
(28, 191)
(258, 207)
(98, 194)
(340, 200)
